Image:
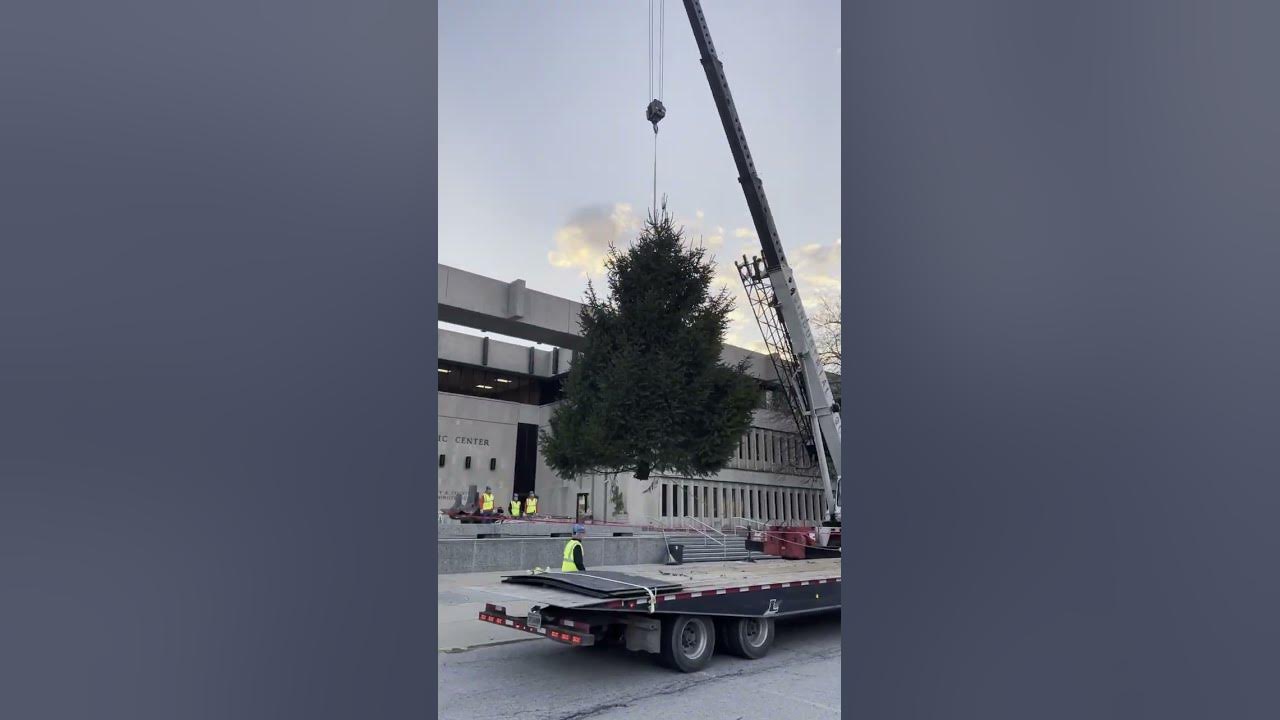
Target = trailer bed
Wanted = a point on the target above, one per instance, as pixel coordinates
(763, 588)
(688, 601)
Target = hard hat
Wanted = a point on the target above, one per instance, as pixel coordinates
(578, 529)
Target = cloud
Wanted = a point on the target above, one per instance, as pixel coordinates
(817, 269)
(583, 242)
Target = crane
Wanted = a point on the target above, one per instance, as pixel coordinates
(771, 287)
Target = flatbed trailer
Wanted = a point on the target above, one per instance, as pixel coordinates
(681, 613)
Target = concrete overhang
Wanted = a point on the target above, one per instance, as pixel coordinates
(512, 309)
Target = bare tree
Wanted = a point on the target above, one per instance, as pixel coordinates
(826, 333)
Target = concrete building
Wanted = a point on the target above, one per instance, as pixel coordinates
(495, 395)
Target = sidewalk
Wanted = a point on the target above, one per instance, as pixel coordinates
(458, 608)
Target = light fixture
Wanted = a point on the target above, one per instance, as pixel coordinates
(442, 370)
(485, 387)
(503, 380)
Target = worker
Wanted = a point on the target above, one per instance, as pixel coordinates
(486, 501)
(573, 557)
(531, 503)
(515, 505)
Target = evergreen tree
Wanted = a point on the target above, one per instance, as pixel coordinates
(649, 392)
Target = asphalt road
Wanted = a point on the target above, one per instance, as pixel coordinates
(544, 680)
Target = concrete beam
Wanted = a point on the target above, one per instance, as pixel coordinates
(508, 309)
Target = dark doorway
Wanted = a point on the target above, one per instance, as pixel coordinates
(526, 457)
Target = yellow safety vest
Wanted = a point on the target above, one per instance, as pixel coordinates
(486, 501)
(568, 565)
(515, 508)
(530, 506)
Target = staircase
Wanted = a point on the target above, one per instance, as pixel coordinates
(708, 548)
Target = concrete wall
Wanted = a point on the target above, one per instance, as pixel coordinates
(485, 429)
(517, 554)
(523, 528)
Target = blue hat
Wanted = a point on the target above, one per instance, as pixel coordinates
(578, 529)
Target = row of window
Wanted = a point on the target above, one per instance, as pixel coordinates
(774, 448)
(756, 503)
(493, 462)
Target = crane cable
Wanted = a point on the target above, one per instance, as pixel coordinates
(655, 112)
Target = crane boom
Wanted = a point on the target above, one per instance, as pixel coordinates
(811, 388)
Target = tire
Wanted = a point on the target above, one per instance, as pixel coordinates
(688, 642)
(749, 637)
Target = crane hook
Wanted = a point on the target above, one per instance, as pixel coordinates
(654, 113)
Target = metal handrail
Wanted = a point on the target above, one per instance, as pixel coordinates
(691, 525)
(709, 533)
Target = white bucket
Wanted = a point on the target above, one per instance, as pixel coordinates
(824, 536)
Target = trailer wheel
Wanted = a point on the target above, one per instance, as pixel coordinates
(688, 642)
(749, 637)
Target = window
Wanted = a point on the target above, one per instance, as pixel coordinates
(468, 462)
(684, 500)
(715, 503)
(493, 463)
(664, 499)
(442, 460)
(695, 502)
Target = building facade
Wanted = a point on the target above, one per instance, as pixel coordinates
(495, 396)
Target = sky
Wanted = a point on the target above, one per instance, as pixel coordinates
(545, 156)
